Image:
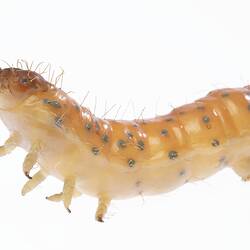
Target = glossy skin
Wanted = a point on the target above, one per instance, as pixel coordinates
(120, 159)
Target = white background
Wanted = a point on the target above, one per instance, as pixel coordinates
(154, 54)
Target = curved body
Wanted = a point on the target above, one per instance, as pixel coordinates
(113, 159)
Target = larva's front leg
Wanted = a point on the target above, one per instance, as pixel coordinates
(68, 191)
(10, 144)
(39, 177)
(31, 159)
(102, 208)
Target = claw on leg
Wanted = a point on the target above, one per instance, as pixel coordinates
(68, 191)
(34, 182)
(10, 144)
(31, 159)
(102, 208)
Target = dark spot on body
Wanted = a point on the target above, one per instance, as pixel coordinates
(95, 150)
(129, 135)
(140, 145)
(225, 94)
(58, 121)
(248, 106)
(24, 80)
(131, 163)
(169, 119)
(182, 172)
(182, 113)
(105, 138)
(88, 126)
(205, 119)
(172, 155)
(164, 132)
(215, 143)
(121, 144)
(52, 103)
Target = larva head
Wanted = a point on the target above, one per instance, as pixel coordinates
(17, 84)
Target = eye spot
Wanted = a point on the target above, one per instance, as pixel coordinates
(24, 80)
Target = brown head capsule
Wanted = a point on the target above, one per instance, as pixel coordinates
(16, 85)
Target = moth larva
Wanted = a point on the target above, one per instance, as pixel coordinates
(116, 159)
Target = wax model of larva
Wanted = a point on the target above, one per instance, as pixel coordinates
(113, 159)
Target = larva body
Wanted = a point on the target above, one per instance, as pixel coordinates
(113, 159)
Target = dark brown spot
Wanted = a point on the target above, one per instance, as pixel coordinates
(182, 172)
(140, 145)
(24, 80)
(164, 132)
(205, 119)
(248, 106)
(52, 103)
(129, 135)
(58, 121)
(169, 119)
(172, 155)
(131, 163)
(95, 150)
(215, 143)
(121, 144)
(105, 138)
(88, 125)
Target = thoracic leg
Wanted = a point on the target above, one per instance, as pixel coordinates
(35, 181)
(242, 168)
(68, 190)
(102, 208)
(10, 144)
(31, 159)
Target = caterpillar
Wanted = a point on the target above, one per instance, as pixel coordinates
(118, 159)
